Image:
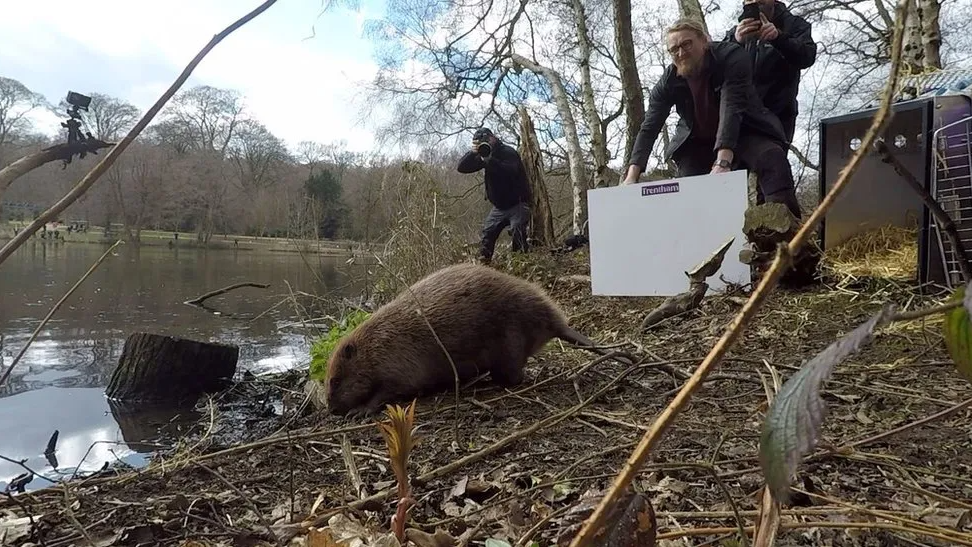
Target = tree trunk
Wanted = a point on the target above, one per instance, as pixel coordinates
(913, 54)
(931, 32)
(541, 223)
(598, 143)
(156, 369)
(575, 156)
(632, 95)
(693, 9)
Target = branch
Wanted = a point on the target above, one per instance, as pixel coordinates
(941, 217)
(62, 151)
(802, 158)
(197, 301)
(110, 158)
(756, 300)
(691, 299)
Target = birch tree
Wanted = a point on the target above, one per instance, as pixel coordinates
(575, 155)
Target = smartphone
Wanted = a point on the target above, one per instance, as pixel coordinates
(750, 11)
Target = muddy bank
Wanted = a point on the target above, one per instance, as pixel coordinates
(524, 457)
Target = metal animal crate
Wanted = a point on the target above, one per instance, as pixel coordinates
(930, 136)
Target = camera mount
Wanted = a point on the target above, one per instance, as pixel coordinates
(75, 138)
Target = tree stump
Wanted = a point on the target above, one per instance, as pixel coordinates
(155, 368)
(541, 222)
(768, 225)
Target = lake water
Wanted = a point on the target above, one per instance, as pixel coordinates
(59, 383)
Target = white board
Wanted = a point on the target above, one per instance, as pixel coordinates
(645, 236)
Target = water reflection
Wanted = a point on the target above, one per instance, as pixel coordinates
(59, 382)
(81, 415)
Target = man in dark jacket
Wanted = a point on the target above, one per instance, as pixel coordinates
(506, 188)
(779, 45)
(722, 124)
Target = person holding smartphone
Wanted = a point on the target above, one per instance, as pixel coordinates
(722, 124)
(780, 46)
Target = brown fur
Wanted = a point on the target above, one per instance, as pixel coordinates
(486, 319)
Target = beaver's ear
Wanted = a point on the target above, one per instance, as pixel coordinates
(349, 351)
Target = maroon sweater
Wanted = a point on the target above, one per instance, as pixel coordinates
(706, 108)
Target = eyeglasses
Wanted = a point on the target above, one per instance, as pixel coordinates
(684, 45)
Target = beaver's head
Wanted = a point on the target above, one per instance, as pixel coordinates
(350, 378)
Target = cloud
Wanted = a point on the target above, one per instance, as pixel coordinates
(298, 69)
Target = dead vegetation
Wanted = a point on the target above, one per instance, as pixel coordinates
(529, 460)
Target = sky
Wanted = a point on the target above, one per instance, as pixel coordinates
(298, 68)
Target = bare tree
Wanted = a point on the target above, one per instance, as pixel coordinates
(693, 9)
(202, 118)
(634, 97)
(16, 102)
(258, 155)
(140, 188)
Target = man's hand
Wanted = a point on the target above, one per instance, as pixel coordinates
(747, 29)
(632, 176)
(717, 169)
(768, 31)
(475, 146)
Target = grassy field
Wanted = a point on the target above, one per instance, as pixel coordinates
(156, 238)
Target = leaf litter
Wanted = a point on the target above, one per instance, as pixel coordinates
(545, 483)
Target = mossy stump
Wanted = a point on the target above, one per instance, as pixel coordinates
(165, 369)
(768, 225)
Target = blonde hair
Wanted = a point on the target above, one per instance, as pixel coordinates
(688, 23)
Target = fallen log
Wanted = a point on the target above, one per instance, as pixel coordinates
(156, 368)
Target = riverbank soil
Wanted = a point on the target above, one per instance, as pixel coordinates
(704, 471)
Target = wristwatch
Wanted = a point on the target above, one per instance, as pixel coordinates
(722, 163)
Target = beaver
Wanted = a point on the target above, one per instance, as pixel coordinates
(486, 319)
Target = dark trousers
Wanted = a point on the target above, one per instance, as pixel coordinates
(516, 217)
(789, 126)
(763, 156)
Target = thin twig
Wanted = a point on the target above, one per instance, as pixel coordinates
(714, 473)
(109, 159)
(197, 301)
(246, 499)
(881, 436)
(69, 513)
(57, 306)
(353, 475)
(925, 312)
(695, 532)
(752, 306)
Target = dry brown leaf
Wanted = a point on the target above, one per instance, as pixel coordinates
(320, 538)
(424, 539)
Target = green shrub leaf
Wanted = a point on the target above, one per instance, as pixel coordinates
(321, 349)
(793, 421)
(958, 332)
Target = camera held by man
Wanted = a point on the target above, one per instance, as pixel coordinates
(483, 149)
